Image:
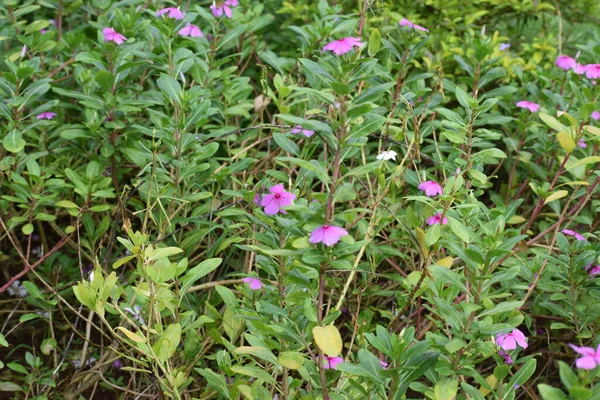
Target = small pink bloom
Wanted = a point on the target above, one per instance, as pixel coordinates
(457, 171)
(593, 270)
(405, 22)
(431, 188)
(232, 3)
(327, 234)
(569, 232)
(590, 359)
(331, 362)
(46, 115)
(530, 105)
(172, 12)
(277, 199)
(218, 11)
(437, 219)
(579, 69)
(596, 115)
(110, 35)
(566, 62)
(253, 283)
(384, 365)
(343, 46)
(581, 143)
(257, 199)
(190, 30)
(509, 341)
(592, 71)
(300, 129)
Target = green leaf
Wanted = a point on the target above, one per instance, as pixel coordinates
(374, 42)
(286, 144)
(168, 342)
(164, 252)
(215, 381)
(13, 142)
(364, 169)
(171, 87)
(553, 123)
(584, 161)
(198, 272)
(550, 393)
(559, 194)
(567, 376)
(291, 359)
(502, 307)
(328, 339)
(372, 122)
(27, 229)
(445, 389)
(566, 141)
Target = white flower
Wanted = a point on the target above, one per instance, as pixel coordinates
(91, 276)
(387, 155)
(16, 289)
(137, 314)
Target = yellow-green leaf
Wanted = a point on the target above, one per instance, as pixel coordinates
(594, 130)
(515, 220)
(133, 336)
(445, 262)
(566, 141)
(556, 195)
(421, 241)
(291, 359)
(328, 339)
(584, 161)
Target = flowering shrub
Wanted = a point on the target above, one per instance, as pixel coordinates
(299, 200)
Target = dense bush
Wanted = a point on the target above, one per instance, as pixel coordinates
(266, 199)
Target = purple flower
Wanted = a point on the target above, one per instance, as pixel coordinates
(437, 219)
(596, 115)
(504, 46)
(331, 362)
(530, 105)
(172, 12)
(329, 235)
(46, 115)
(257, 199)
(590, 359)
(431, 188)
(190, 30)
(569, 232)
(117, 364)
(218, 11)
(232, 3)
(300, 129)
(405, 22)
(566, 62)
(509, 341)
(277, 199)
(507, 359)
(253, 283)
(110, 35)
(581, 143)
(384, 365)
(593, 270)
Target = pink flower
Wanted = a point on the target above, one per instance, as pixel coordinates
(253, 283)
(530, 105)
(46, 115)
(384, 365)
(506, 356)
(232, 3)
(279, 198)
(579, 69)
(565, 62)
(190, 30)
(590, 359)
(596, 115)
(257, 199)
(569, 232)
(110, 35)
(592, 71)
(581, 143)
(171, 12)
(218, 11)
(437, 219)
(343, 46)
(331, 362)
(431, 188)
(327, 234)
(594, 270)
(405, 22)
(300, 129)
(509, 341)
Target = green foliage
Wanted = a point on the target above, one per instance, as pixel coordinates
(135, 231)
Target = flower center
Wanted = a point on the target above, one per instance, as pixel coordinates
(325, 226)
(277, 195)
